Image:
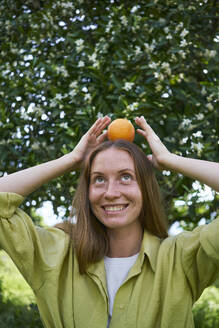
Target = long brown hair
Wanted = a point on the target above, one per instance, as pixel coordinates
(89, 234)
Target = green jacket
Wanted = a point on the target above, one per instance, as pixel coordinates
(167, 278)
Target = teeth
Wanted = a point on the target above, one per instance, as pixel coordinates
(114, 208)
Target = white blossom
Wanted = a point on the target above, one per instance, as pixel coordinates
(210, 98)
(185, 123)
(109, 26)
(169, 37)
(124, 20)
(62, 70)
(133, 106)
(53, 103)
(93, 57)
(96, 64)
(198, 134)
(210, 53)
(179, 26)
(134, 9)
(183, 140)
(159, 76)
(153, 65)
(64, 125)
(67, 5)
(191, 8)
(58, 96)
(35, 145)
(72, 93)
(24, 115)
(79, 45)
(79, 42)
(183, 43)
(150, 47)
(81, 64)
(128, 86)
(73, 84)
(182, 54)
(87, 97)
(209, 106)
(99, 114)
(166, 67)
(184, 33)
(137, 50)
(197, 146)
(166, 29)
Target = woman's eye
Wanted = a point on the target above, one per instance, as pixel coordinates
(126, 177)
(99, 179)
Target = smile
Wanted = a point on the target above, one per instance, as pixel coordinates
(115, 208)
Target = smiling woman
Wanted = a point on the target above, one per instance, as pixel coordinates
(119, 186)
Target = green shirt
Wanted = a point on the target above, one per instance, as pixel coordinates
(167, 278)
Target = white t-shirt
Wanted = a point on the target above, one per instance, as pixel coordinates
(117, 269)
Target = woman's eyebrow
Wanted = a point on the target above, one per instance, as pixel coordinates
(96, 172)
(125, 170)
(120, 171)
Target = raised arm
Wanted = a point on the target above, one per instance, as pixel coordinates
(203, 171)
(26, 181)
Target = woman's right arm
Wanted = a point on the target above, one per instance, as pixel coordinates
(26, 181)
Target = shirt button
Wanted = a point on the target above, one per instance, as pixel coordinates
(121, 306)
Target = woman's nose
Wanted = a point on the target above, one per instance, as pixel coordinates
(112, 190)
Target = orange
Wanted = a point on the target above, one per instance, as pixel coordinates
(121, 128)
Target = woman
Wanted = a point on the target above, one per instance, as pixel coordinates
(116, 266)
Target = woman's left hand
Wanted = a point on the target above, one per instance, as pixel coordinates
(159, 151)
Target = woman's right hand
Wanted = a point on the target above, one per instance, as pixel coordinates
(92, 138)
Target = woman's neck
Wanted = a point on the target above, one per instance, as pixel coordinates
(123, 244)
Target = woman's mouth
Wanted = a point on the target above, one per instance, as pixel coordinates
(114, 208)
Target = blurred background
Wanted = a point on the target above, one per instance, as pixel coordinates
(64, 63)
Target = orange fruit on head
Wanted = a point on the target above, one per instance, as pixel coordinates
(121, 128)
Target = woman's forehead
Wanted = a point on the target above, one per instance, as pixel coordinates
(114, 158)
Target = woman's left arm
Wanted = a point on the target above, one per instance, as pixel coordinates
(204, 171)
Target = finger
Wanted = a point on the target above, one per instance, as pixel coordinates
(102, 137)
(99, 125)
(148, 136)
(141, 121)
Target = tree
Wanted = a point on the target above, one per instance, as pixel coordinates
(64, 63)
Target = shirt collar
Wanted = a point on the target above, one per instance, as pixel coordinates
(150, 246)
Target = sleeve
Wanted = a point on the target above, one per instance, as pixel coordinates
(200, 256)
(34, 250)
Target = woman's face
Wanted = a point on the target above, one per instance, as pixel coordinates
(114, 194)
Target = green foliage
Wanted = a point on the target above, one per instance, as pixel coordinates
(206, 310)
(65, 63)
(17, 303)
(18, 316)
(15, 287)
